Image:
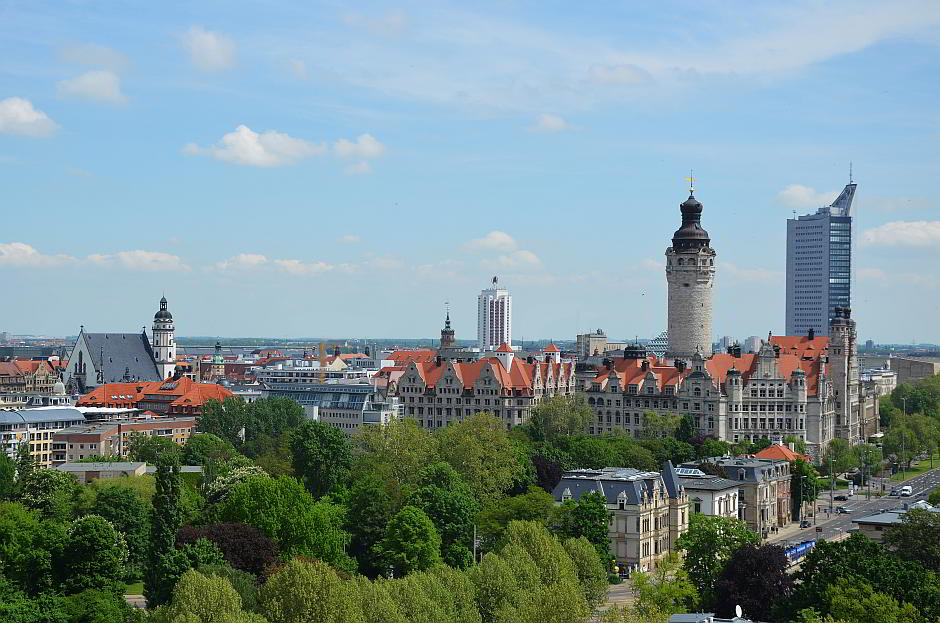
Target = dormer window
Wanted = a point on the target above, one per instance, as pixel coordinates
(566, 495)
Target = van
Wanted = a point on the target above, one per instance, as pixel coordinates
(906, 491)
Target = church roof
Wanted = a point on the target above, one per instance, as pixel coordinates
(551, 348)
(504, 348)
(117, 353)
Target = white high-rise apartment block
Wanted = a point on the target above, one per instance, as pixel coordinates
(494, 317)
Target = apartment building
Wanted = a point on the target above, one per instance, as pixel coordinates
(112, 438)
(37, 427)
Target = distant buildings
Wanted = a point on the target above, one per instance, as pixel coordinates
(171, 397)
(910, 369)
(874, 526)
(649, 510)
(345, 406)
(20, 376)
(112, 437)
(819, 262)
(596, 343)
(35, 427)
(494, 317)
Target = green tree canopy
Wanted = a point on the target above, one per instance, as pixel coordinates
(708, 545)
(310, 592)
(321, 456)
(370, 510)
(411, 542)
(94, 556)
(205, 449)
(587, 517)
(535, 505)
(130, 515)
(854, 601)
(50, 492)
(558, 415)
(153, 449)
(7, 477)
(804, 484)
(916, 538)
(449, 503)
(665, 590)
(591, 573)
(396, 453)
(30, 548)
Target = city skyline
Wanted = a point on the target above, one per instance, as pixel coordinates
(271, 184)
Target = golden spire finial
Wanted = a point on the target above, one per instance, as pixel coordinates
(691, 181)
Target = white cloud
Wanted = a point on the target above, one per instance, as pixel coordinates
(297, 67)
(209, 50)
(268, 149)
(17, 116)
(240, 261)
(365, 146)
(391, 24)
(623, 75)
(799, 197)
(520, 259)
(493, 241)
(750, 274)
(98, 85)
(296, 267)
(20, 254)
(903, 234)
(148, 261)
(360, 168)
(350, 239)
(549, 123)
(94, 55)
(385, 262)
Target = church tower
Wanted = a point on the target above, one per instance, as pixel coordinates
(447, 334)
(164, 343)
(690, 273)
(217, 370)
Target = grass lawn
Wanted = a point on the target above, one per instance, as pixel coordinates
(914, 471)
(137, 588)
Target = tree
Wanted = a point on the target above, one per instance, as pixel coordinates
(321, 456)
(587, 517)
(591, 573)
(244, 546)
(50, 492)
(244, 583)
(227, 479)
(310, 592)
(838, 457)
(370, 510)
(448, 502)
(665, 590)
(25, 463)
(851, 600)
(254, 428)
(152, 449)
(708, 545)
(481, 452)
(94, 556)
(411, 542)
(198, 598)
(166, 517)
(494, 518)
(130, 515)
(685, 431)
(548, 473)
(172, 565)
(395, 453)
(804, 485)
(870, 457)
(29, 548)
(656, 425)
(205, 449)
(799, 444)
(95, 606)
(916, 538)
(7, 477)
(755, 578)
(710, 447)
(559, 415)
(934, 498)
(282, 509)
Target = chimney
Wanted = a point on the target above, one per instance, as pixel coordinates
(438, 360)
(812, 333)
(645, 365)
(680, 365)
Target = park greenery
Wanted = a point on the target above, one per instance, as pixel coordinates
(293, 520)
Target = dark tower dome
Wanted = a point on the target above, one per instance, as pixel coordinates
(163, 314)
(634, 351)
(690, 235)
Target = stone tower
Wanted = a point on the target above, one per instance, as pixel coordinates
(217, 370)
(843, 358)
(690, 273)
(447, 334)
(164, 343)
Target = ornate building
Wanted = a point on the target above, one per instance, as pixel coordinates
(690, 273)
(164, 343)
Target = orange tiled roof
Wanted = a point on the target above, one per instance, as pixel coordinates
(801, 345)
(779, 452)
(184, 391)
(520, 376)
(406, 356)
(504, 348)
(551, 348)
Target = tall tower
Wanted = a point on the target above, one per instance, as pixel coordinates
(164, 344)
(843, 358)
(217, 370)
(494, 317)
(447, 334)
(819, 265)
(690, 273)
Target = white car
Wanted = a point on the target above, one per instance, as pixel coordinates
(906, 491)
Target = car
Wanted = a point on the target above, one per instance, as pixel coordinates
(841, 498)
(843, 511)
(894, 493)
(805, 523)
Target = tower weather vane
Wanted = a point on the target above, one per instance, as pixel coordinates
(691, 181)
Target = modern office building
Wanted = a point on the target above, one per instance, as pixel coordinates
(494, 317)
(819, 265)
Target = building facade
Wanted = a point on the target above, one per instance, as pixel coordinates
(112, 438)
(164, 342)
(709, 495)
(345, 406)
(494, 317)
(690, 274)
(170, 397)
(819, 265)
(35, 427)
(27, 376)
(649, 511)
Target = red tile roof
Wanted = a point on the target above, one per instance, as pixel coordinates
(504, 348)
(405, 356)
(778, 452)
(184, 393)
(551, 348)
(520, 376)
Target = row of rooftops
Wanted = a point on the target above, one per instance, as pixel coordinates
(521, 375)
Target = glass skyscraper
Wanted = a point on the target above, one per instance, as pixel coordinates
(819, 265)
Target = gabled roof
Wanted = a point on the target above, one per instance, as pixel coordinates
(521, 375)
(504, 348)
(113, 354)
(801, 345)
(778, 451)
(404, 356)
(551, 348)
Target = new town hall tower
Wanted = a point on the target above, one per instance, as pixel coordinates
(690, 273)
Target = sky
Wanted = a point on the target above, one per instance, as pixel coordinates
(291, 169)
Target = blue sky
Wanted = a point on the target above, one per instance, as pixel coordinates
(326, 169)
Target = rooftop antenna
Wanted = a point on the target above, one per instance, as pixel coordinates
(691, 181)
(850, 171)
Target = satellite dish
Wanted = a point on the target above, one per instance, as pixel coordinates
(737, 611)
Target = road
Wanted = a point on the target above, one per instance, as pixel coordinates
(835, 524)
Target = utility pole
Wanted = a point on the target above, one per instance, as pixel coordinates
(832, 482)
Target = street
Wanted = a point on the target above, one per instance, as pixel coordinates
(836, 524)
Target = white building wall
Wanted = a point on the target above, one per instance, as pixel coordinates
(494, 318)
(690, 276)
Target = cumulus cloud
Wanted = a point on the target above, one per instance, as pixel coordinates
(903, 234)
(99, 85)
(623, 75)
(22, 255)
(268, 149)
(209, 50)
(148, 261)
(240, 261)
(360, 168)
(17, 116)
(520, 260)
(350, 239)
(94, 55)
(365, 146)
(799, 197)
(548, 123)
(493, 241)
(296, 267)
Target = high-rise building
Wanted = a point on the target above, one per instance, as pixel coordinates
(494, 317)
(819, 265)
(690, 273)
